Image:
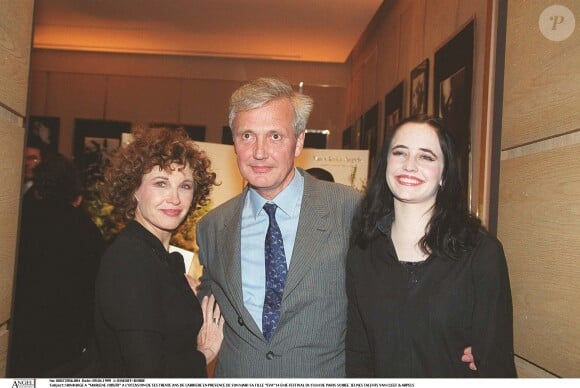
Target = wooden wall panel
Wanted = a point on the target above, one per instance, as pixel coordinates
(412, 53)
(205, 102)
(4, 334)
(184, 67)
(68, 96)
(11, 163)
(38, 96)
(356, 96)
(15, 39)
(143, 100)
(539, 225)
(11, 149)
(328, 112)
(542, 77)
(369, 74)
(440, 23)
(74, 95)
(525, 370)
(388, 71)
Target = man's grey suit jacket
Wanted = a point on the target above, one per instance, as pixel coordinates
(309, 339)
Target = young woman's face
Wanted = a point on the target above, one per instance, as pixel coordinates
(164, 199)
(415, 164)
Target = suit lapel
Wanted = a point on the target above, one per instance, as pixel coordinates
(313, 229)
(230, 251)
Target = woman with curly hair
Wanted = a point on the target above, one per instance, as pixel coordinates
(148, 321)
(424, 279)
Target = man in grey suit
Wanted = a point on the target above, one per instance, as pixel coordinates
(306, 337)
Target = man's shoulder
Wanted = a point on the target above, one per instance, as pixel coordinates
(338, 191)
(224, 210)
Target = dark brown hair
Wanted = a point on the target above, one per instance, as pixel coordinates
(452, 230)
(150, 148)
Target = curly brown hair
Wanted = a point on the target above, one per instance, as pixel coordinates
(153, 147)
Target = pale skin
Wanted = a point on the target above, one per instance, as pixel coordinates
(211, 334)
(414, 174)
(414, 170)
(163, 202)
(266, 146)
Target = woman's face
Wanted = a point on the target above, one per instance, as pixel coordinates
(164, 199)
(415, 164)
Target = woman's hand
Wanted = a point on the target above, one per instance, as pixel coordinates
(468, 358)
(211, 334)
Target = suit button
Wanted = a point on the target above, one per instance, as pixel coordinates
(241, 321)
(270, 356)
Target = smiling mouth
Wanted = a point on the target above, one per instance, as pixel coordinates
(171, 212)
(407, 180)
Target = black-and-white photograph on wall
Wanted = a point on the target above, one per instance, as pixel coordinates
(418, 92)
(393, 109)
(452, 98)
(369, 133)
(95, 142)
(453, 73)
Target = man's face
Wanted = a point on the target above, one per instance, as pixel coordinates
(266, 146)
(32, 159)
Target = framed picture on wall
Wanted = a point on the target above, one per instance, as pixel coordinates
(419, 88)
(227, 137)
(356, 133)
(369, 132)
(44, 130)
(393, 109)
(453, 73)
(316, 138)
(95, 142)
(347, 138)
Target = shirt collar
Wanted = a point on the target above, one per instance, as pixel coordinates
(286, 200)
(384, 223)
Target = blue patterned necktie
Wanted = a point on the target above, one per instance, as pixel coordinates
(276, 272)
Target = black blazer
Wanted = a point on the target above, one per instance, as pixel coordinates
(147, 318)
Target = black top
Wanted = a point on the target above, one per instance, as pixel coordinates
(147, 317)
(52, 316)
(415, 320)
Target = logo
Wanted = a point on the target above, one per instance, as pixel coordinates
(24, 383)
(557, 23)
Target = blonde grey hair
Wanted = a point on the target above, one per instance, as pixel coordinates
(259, 92)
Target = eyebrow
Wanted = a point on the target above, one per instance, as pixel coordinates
(427, 150)
(166, 178)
